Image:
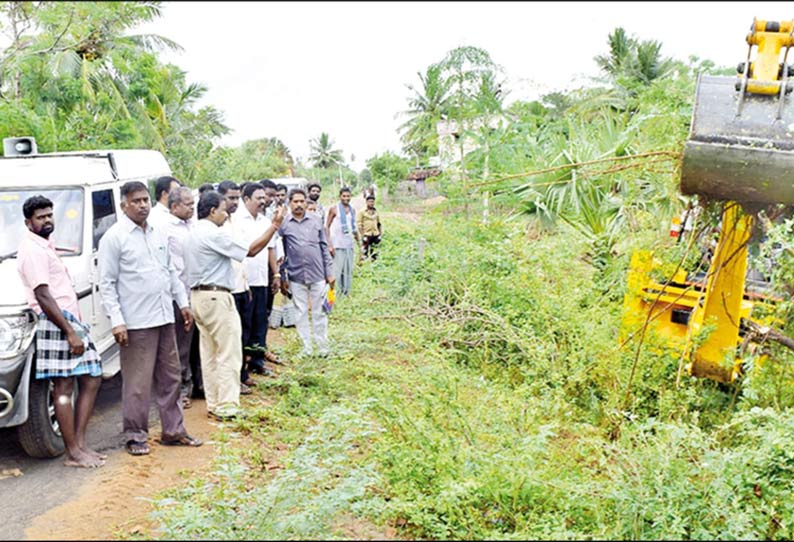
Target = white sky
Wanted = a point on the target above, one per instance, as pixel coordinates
(292, 70)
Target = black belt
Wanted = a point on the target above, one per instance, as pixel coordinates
(211, 288)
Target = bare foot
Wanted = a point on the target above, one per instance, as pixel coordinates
(94, 453)
(84, 460)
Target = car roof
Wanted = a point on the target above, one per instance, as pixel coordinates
(80, 167)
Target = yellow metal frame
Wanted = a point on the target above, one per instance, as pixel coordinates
(722, 300)
(711, 336)
(770, 38)
(718, 306)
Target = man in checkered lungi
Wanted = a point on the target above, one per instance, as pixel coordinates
(64, 349)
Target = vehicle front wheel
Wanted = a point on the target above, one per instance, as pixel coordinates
(40, 436)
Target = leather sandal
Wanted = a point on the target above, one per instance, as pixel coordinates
(272, 358)
(135, 447)
(186, 440)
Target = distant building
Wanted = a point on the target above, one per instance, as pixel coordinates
(449, 138)
(419, 175)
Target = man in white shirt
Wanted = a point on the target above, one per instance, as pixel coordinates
(210, 249)
(273, 200)
(178, 227)
(241, 293)
(160, 215)
(138, 285)
(251, 222)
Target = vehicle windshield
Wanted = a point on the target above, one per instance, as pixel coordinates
(68, 215)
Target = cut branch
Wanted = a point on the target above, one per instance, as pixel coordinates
(671, 155)
(766, 333)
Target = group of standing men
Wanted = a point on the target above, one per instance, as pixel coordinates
(160, 271)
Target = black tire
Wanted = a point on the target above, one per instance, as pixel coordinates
(39, 436)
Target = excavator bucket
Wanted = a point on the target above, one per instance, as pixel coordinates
(740, 148)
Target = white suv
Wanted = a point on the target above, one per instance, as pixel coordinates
(84, 188)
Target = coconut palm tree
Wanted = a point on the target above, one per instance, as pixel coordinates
(633, 59)
(428, 105)
(322, 154)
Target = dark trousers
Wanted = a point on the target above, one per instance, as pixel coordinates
(244, 306)
(257, 336)
(183, 340)
(368, 243)
(195, 365)
(270, 296)
(150, 361)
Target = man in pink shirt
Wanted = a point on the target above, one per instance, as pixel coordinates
(64, 349)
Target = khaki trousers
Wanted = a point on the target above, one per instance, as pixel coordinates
(221, 348)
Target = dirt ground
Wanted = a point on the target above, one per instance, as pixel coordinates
(114, 502)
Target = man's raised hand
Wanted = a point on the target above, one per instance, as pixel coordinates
(278, 217)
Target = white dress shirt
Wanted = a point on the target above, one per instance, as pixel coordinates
(159, 215)
(250, 228)
(210, 251)
(178, 231)
(240, 283)
(137, 279)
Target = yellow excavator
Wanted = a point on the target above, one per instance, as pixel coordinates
(740, 151)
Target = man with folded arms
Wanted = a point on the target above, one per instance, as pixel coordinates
(209, 251)
(138, 284)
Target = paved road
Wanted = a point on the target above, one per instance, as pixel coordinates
(46, 483)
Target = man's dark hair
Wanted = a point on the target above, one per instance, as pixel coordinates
(208, 201)
(281, 188)
(33, 204)
(206, 186)
(312, 185)
(163, 184)
(369, 197)
(227, 185)
(267, 183)
(296, 191)
(243, 185)
(345, 189)
(132, 186)
(250, 188)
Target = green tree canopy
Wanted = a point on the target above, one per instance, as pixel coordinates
(322, 154)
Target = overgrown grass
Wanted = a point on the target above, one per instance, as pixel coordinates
(476, 391)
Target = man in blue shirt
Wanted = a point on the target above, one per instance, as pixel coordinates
(306, 270)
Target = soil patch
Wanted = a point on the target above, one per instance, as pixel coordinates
(115, 502)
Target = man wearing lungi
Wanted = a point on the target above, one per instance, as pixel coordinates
(64, 349)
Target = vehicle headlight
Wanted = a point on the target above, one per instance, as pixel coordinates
(16, 333)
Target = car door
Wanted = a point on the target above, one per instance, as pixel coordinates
(103, 216)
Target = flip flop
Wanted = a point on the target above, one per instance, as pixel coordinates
(135, 447)
(272, 358)
(187, 440)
